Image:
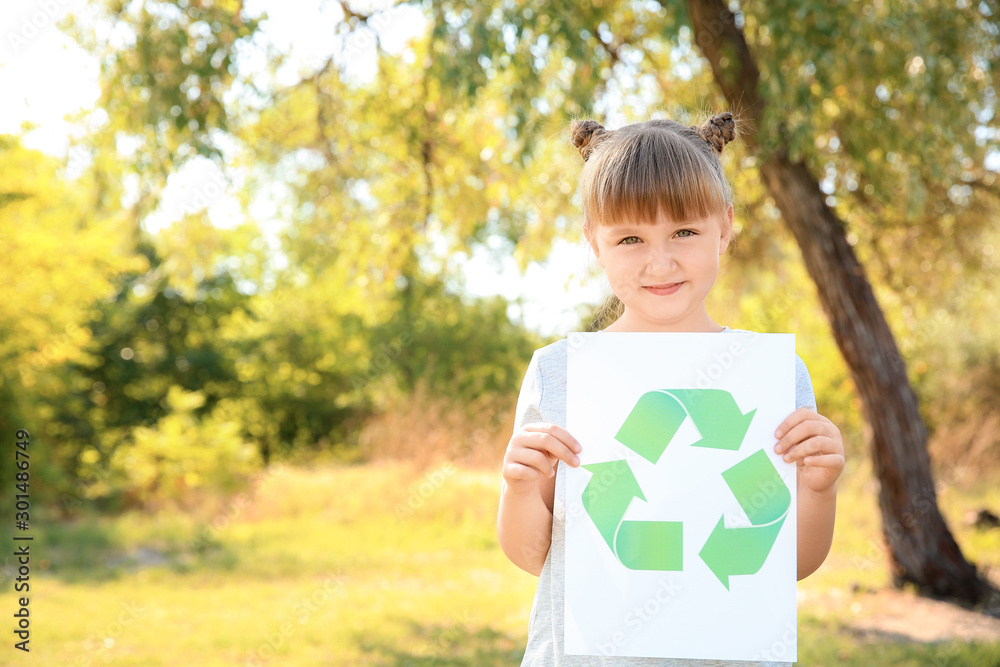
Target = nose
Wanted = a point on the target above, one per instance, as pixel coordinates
(661, 261)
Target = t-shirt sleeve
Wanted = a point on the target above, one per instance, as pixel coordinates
(530, 399)
(804, 397)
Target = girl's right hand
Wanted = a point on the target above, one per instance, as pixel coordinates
(533, 453)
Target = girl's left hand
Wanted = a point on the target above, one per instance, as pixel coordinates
(813, 443)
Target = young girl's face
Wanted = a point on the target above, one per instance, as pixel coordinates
(663, 271)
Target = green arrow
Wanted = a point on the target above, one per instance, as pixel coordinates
(608, 494)
(759, 488)
(719, 420)
(639, 545)
(651, 424)
(743, 550)
(658, 414)
(651, 545)
(764, 497)
(657, 545)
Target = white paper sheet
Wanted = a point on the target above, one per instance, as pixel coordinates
(649, 577)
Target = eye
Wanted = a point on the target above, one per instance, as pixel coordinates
(684, 233)
(629, 240)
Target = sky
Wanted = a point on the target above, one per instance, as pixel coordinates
(45, 76)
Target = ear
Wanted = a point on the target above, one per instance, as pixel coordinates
(727, 230)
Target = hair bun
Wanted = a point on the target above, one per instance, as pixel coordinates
(586, 135)
(718, 131)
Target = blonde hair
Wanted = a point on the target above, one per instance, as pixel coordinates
(640, 170)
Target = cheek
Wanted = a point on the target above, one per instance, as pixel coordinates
(710, 254)
(618, 272)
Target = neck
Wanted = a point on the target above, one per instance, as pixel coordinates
(698, 323)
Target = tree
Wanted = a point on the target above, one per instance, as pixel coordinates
(358, 302)
(921, 547)
(836, 76)
(63, 256)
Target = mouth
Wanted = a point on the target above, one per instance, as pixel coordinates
(664, 289)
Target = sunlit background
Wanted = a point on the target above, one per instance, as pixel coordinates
(544, 296)
(273, 272)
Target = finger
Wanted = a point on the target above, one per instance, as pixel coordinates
(514, 471)
(800, 433)
(536, 459)
(791, 420)
(531, 466)
(813, 446)
(797, 417)
(543, 441)
(824, 461)
(557, 432)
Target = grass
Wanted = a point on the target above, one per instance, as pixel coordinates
(381, 564)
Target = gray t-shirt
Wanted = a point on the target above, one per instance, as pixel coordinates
(543, 399)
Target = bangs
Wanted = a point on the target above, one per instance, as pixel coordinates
(641, 174)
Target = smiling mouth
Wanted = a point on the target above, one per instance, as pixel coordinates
(664, 289)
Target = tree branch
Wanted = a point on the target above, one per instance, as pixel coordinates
(351, 14)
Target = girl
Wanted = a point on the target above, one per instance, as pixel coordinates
(658, 215)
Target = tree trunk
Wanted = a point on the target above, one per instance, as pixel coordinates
(921, 548)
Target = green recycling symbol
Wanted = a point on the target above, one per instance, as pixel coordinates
(657, 545)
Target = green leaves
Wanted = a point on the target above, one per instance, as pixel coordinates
(339, 292)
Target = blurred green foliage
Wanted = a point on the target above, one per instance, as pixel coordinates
(130, 355)
(180, 452)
